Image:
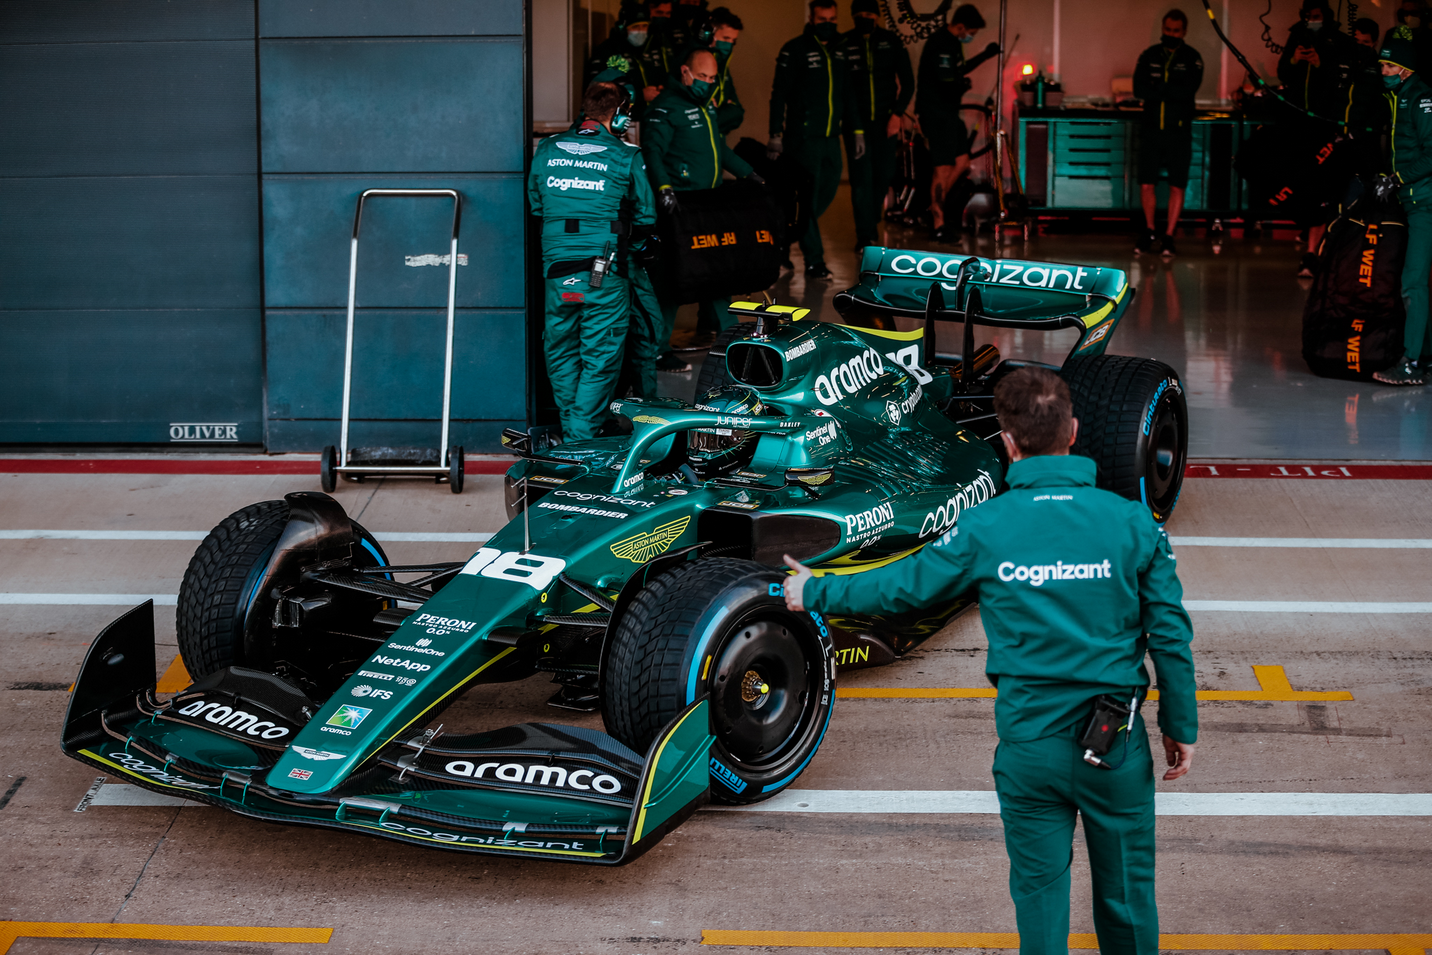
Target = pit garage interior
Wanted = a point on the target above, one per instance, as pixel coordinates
(178, 181)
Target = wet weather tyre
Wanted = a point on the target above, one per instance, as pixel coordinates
(1133, 421)
(328, 469)
(719, 628)
(713, 370)
(219, 583)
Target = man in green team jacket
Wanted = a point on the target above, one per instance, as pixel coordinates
(809, 111)
(1059, 636)
(590, 190)
(881, 85)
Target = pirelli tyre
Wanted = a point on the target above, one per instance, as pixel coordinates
(221, 583)
(1133, 421)
(713, 372)
(720, 628)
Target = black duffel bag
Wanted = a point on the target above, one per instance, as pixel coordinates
(720, 242)
(1352, 323)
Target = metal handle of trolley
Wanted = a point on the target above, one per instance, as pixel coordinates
(451, 465)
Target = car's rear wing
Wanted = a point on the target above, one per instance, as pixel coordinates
(1008, 293)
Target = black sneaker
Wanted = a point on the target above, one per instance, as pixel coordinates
(1145, 241)
(1307, 266)
(817, 271)
(1167, 250)
(669, 362)
(1402, 373)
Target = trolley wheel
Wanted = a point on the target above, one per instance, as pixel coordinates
(328, 469)
(455, 469)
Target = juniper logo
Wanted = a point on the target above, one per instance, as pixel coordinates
(348, 716)
(1037, 574)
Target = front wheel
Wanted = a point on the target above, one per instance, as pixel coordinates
(720, 628)
(1133, 421)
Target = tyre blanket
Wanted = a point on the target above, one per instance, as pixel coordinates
(720, 242)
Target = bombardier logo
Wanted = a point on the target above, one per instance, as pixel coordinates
(1037, 574)
(847, 379)
(803, 348)
(236, 720)
(584, 779)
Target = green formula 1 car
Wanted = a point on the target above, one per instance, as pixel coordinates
(642, 572)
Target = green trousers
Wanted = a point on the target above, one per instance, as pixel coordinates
(1042, 785)
(645, 341)
(870, 177)
(820, 156)
(585, 342)
(712, 315)
(1415, 270)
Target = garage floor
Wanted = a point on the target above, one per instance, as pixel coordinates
(1227, 316)
(1341, 705)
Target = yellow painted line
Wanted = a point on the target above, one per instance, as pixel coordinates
(1394, 944)
(10, 931)
(175, 678)
(1272, 681)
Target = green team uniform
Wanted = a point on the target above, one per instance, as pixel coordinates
(1411, 106)
(1166, 79)
(729, 111)
(943, 70)
(881, 84)
(809, 103)
(1075, 585)
(686, 150)
(590, 188)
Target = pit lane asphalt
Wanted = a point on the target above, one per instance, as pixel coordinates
(857, 872)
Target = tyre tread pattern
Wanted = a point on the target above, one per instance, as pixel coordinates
(1110, 395)
(714, 373)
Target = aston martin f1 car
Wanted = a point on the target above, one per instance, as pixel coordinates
(642, 572)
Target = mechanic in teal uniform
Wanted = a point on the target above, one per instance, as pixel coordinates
(1057, 640)
(809, 111)
(881, 85)
(590, 189)
(685, 151)
(1410, 99)
(944, 78)
(727, 30)
(1166, 78)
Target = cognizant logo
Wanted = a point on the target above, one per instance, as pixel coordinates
(1039, 573)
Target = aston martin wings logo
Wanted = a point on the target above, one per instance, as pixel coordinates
(643, 547)
(317, 754)
(581, 149)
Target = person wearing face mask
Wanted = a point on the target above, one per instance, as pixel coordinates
(1414, 15)
(1309, 66)
(663, 49)
(809, 111)
(626, 49)
(590, 189)
(944, 78)
(881, 87)
(726, 30)
(685, 151)
(1166, 78)
(1410, 101)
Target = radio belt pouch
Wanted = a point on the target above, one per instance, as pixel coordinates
(559, 270)
(720, 242)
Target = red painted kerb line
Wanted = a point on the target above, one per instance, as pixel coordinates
(1323, 471)
(162, 466)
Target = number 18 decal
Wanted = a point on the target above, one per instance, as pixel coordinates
(530, 569)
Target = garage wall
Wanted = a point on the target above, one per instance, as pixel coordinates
(357, 95)
(129, 211)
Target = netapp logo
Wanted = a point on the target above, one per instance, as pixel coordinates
(584, 779)
(1039, 573)
(401, 664)
(227, 433)
(236, 720)
(851, 377)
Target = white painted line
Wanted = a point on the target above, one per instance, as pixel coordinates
(96, 600)
(383, 536)
(1307, 606)
(879, 801)
(1375, 543)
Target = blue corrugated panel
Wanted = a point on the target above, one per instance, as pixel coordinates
(290, 18)
(434, 105)
(308, 222)
(129, 376)
(119, 21)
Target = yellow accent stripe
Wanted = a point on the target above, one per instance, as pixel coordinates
(837, 568)
(715, 153)
(795, 311)
(10, 931)
(910, 336)
(449, 842)
(651, 780)
(175, 678)
(1397, 944)
(129, 772)
(456, 686)
(1272, 681)
(707, 668)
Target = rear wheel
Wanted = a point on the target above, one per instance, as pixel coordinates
(720, 628)
(1133, 421)
(713, 369)
(455, 469)
(328, 469)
